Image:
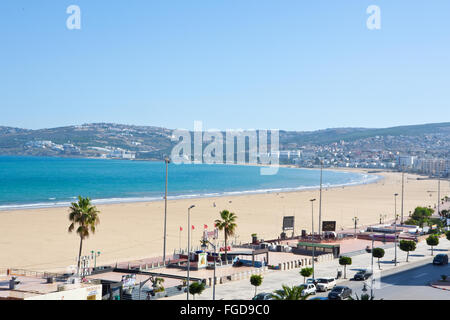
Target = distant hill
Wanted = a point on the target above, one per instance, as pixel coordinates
(147, 142)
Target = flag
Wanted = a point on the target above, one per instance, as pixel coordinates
(181, 229)
(193, 228)
(205, 226)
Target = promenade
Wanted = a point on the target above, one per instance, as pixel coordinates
(274, 279)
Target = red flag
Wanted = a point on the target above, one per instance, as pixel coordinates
(205, 226)
(193, 228)
(181, 229)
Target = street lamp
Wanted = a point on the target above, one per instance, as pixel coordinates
(94, 256)
(312, 232)
(167, 161)
(395, 228)
(189, 248)
(355, 220)
(320, 200)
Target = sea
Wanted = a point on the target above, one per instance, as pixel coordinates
(41, 182)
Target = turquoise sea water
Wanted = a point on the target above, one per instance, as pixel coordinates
(29, 182)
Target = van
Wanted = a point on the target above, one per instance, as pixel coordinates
(441, 259)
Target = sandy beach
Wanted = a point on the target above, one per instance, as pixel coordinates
(38, 239)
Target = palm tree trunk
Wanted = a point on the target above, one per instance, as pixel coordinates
(79, 256)
(407, 256)
(226, 256)
(379, 267)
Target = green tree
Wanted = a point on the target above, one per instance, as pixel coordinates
(420, 216)
(432, 240)
(378, 253)
(196, 288)
(84, 217)
(345, 261)
(289, 293)
(228, 225)
(306, 272)
(407, 246)
(447, 234)
(256, 281)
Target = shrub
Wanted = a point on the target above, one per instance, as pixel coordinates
(345, 261)
(196, 288)
(432, 241)
(256, 280)
(378, 253)
(306, 272)
(407, 246)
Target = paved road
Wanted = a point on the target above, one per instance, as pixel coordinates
(411, 284)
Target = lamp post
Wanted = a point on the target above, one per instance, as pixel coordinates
(312, 232)
(94, 256)
(167, 161)
(189, 248)
(320, 200)
(372, 278)
(395, 229)
(439, 189)
(355, 220)
(403, 191)
(215, 261)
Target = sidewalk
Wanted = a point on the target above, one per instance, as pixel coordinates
(274, 279)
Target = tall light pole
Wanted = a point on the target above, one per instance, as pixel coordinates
(167, 161)
(189, 248)
(355, 220)
(320, 200)
(395, 228)
(439, 189)
(403, 191)
(312, 232)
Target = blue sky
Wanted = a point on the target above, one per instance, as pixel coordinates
(289, 64)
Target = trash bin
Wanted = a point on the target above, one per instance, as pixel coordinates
(339, 275)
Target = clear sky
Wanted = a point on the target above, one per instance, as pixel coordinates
(286, 64)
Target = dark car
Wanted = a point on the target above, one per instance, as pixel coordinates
(340, 293)
(362, 275)
(263, 296)
(441, 259)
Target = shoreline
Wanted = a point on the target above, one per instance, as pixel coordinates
(367, 178)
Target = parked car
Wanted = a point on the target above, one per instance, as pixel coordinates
(263, 296)
(312, 280)
(441, 259)
(340, 293)
(308, 288)
(325, 284)
(363, 275)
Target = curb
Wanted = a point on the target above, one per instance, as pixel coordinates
(436, 287)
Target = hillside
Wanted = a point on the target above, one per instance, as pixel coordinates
(146, 142)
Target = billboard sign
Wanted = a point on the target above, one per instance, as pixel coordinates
(288, 223)
(329, 226)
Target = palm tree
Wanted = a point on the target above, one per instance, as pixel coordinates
(228, 225)
(84, 216)
(288, 293)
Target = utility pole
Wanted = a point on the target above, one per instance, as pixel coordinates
(403, 190)
(189, 249)
(312, 232)
(439, 189)
(320, 200)
(395, 228)
(167, 161)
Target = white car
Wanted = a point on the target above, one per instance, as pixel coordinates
(308, 288)
(325, 284)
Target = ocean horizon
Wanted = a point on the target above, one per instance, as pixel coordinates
(43, 182)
